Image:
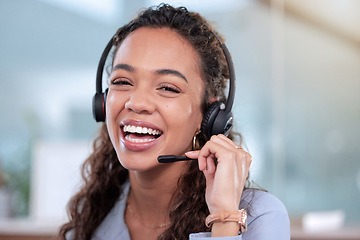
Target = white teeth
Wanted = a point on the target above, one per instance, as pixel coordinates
(140, 130)
(136, 140)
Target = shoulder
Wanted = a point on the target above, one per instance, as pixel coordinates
(267, 215)
(261, 202)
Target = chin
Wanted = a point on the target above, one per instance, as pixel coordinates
(138, 163)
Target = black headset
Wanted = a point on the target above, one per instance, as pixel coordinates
(217, 119)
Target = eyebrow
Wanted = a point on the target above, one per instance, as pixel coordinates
(171, 72)
(125, 67)
(165, 71)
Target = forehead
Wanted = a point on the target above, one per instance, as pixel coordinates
(157, 47)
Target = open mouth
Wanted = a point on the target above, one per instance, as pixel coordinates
(137, 134)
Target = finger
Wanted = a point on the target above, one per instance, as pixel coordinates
(207, 164)
(228, 149)
(228, 140)
(233, 144)
(242, 158)
(210, 164)
(209, 177)
(207, 156)
(240, 151)
(195, 155)
(223, 141)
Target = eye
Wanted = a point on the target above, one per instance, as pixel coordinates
(121, 84)
(169, 88)
(121, 81)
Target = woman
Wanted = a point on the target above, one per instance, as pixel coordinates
(167, 69)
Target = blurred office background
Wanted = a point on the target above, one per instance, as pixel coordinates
(297, 103)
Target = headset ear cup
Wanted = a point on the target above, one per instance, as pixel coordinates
(209, 118)
(98, 107)
(223, 123)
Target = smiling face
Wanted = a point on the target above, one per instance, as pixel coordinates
(153, 106)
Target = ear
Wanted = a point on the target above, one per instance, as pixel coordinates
(199, 125)
(214, 99)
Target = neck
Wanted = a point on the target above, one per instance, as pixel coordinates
(152, 191)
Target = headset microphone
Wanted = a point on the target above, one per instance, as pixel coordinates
(172, 158)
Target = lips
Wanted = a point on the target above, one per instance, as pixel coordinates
(139, 135)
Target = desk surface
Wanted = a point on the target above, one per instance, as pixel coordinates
(27, 229)
(346, 233)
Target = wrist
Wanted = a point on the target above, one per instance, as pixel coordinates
(225, 229)
(224, 207)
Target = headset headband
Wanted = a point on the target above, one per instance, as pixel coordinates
(101, 65)
(231, 94)
(216, 119)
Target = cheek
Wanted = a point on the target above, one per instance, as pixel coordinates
(114, 105)
(185, 117)
(110, 108)
(115, 102)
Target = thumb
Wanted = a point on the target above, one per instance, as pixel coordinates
(202, 166)
(209, 178)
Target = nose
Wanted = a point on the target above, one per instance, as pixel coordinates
(140, 101)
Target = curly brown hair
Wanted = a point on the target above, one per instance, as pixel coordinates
(102, 173)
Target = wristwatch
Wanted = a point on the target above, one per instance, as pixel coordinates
(239, 216)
